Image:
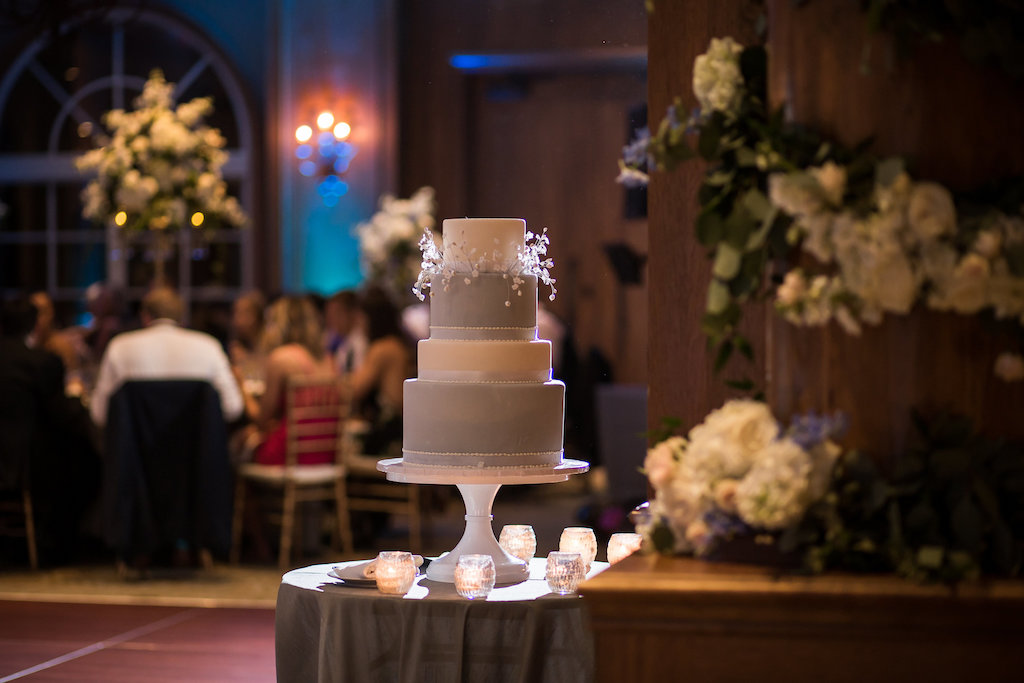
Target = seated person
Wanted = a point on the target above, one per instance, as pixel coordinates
(345, 340)
(377, 384)
(163, 350)
(293, 345)
(46, 440)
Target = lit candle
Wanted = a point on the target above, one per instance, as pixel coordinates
(579, 539)
(474, 576)
(564, 572)
(518, 540)
(623, 545)
(395, 572)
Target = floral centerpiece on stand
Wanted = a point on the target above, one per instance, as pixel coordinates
(160, 167)
(389, 243)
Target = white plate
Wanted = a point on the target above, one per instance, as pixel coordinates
(352, 574)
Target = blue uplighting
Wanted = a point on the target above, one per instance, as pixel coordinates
(303, 151)
(472, 62)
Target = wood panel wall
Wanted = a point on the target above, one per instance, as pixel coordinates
(955, 123)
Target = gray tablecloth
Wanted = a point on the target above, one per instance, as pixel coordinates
(326, 631)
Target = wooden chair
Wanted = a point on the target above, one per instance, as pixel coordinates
(315, 414)
(23, 510)
(370, 491)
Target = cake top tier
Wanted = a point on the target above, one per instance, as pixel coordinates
(487, 244)
(471, 246)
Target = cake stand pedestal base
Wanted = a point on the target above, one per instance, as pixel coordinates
(478, 538)
(478, 488)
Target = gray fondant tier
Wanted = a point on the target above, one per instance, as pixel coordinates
(478, 310)
(470, 424)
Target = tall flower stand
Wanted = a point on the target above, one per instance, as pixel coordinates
(478, 488)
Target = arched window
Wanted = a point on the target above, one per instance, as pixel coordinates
(52, 100)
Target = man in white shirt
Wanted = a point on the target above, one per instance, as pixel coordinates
(164, 350)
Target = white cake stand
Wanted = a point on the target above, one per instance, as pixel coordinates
(478, 487)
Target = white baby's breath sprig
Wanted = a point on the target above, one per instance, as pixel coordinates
(530, 260)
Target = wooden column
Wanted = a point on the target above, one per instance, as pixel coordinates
(681, 380)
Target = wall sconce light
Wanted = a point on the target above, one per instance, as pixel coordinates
(324, 152)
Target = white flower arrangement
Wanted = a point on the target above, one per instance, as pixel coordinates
(160, 168)
(884, 242)
(902, 251)
(737, 473)
(531, 259)
(389, 241)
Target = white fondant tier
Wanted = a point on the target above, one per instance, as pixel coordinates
(478, 310)
(490, 244)
(471, 424)
(482, 361)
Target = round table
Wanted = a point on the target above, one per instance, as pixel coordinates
(522, 633)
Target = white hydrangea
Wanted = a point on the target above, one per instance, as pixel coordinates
(717, 80)
(729, 439)
(776, 491)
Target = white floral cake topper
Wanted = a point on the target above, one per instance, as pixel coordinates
(531, 259)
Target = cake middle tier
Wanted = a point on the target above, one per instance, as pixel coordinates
(483, 424)
(485, 307)
(483, 361)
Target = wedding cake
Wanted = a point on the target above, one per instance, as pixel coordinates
(484, 396)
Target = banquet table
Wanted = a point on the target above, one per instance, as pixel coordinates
(523, 633)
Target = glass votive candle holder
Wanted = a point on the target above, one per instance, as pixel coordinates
(474, 576)
(518, 540)
(579, 539)
(395, 572)
(564, 572)
(622, 545)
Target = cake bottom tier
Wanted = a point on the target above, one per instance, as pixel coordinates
(477, 424)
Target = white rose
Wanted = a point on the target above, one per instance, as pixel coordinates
(930, 212)
(793, 288)
(1010, 367)
(967, 289)
(660, 463)
(717, 80)
(831, 177)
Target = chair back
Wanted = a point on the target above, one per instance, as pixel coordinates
(315, 411)
(167, 475)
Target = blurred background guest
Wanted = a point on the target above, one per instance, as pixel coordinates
(292, 344)
(165, 350)
(46, 336)
(377, 383)
(246, 325)
(345, 338)
(247, 359)
(46, 441)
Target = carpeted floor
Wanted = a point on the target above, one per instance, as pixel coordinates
(219, 586)
(548, 508)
